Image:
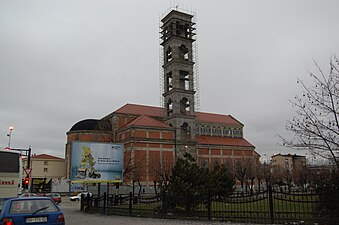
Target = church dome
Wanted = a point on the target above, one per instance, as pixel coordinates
(88, 124)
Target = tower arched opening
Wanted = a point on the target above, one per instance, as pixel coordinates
(185, 107)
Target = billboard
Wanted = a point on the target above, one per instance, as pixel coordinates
(60, 185)
(93, 162)
(41, 185)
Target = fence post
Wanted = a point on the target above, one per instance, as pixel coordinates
(270, 204)
(163, 202)
(105, 201)
(209, 205)
(82, 202)
(130, 203)
(88, 205)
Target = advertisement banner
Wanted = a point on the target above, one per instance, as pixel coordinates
(60, 185)
(41, 185)
(93, 162)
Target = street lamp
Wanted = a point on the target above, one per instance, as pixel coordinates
(9, 135)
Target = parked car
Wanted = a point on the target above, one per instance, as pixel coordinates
(2, 202)
(27, 194)
(78, 196)
(55, 196)
(31, 210)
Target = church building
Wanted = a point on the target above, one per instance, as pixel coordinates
(154, 137)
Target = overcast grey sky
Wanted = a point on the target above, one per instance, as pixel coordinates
(68, 60)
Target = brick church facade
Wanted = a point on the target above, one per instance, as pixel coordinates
(154, 137)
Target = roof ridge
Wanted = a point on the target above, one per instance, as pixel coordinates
(147, 118)
(45, 156)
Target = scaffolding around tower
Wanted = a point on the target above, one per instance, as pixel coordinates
(188, 32)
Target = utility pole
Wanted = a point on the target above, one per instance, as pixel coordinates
(9, 135)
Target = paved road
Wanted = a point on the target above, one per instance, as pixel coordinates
(73, 216)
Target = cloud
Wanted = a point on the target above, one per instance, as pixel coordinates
(64, 61)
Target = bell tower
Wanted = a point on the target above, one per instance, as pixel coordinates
(177, 35)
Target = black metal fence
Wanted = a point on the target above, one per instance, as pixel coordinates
(270, 206)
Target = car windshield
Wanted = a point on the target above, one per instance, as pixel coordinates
(32, 206)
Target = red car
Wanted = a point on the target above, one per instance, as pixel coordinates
(55, 196)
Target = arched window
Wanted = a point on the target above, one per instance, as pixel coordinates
(183, 52)
(169, 84)
(169, 54)
(184, 80)
(214, 131)
(185, 128)
(219, 131)
(201, 130)
(185, 106)
(169, 107)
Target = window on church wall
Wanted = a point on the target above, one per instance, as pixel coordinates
(229, 134)
(237, 133)
(196, 130)
(216, 162)
(184, 80)
(169, 54)
(183, 52)
(204, 163)
(217, 131)
(214, 131)
(201, 130)
(224, 132)
(185, 129)
(169, 85)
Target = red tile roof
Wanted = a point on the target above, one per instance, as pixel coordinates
(158, 112)
(217, 118)
(147, 122)
(141, 110)
(211, 140)
(45, 156)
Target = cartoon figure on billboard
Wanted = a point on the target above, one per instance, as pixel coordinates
(87, 163)
(96, 162)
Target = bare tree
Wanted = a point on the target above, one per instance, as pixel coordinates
(301, 177)
(134, 166)
(251, 173)
(161, 172)
(259, 172)
(240, 171)
(316, 124)
(267, 174)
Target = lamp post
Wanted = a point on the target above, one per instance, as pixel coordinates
(9, 137)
